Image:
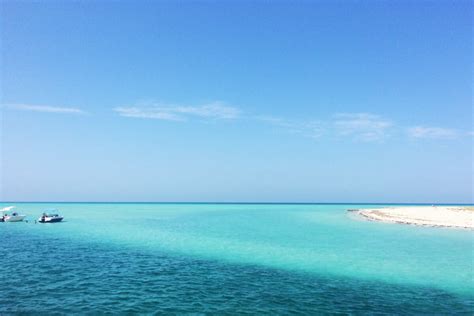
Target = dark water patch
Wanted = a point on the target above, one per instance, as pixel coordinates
(51, 275)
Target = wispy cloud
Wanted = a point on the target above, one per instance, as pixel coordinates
(44, 108)
(366, 127)
(159, 111)
(148, 113)
(432, 132)
(361, 126)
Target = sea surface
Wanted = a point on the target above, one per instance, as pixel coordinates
(230, 259)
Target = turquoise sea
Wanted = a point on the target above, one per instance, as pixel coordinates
(198, 259)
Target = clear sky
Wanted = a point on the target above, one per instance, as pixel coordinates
(315, 101)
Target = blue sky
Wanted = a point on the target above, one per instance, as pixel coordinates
(319, 101)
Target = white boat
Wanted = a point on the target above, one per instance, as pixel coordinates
(13, 217)
(50, 218)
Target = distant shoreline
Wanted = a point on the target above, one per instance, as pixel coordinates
(435, 216)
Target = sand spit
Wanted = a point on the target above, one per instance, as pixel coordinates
(440, 216)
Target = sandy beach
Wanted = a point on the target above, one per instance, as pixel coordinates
(442, 216)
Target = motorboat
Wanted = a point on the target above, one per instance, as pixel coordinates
(50, 217)
(10, 217)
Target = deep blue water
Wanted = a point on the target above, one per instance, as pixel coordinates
(231, 260)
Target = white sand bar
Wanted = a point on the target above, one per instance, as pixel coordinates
(443, 216)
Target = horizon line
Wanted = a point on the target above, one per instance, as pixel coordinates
(248, 202)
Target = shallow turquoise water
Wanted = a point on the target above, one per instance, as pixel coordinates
(230, 258)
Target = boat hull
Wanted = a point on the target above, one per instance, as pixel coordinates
(50, 220)
(16, 218)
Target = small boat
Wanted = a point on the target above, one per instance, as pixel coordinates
(50, 217)
(13, 217)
